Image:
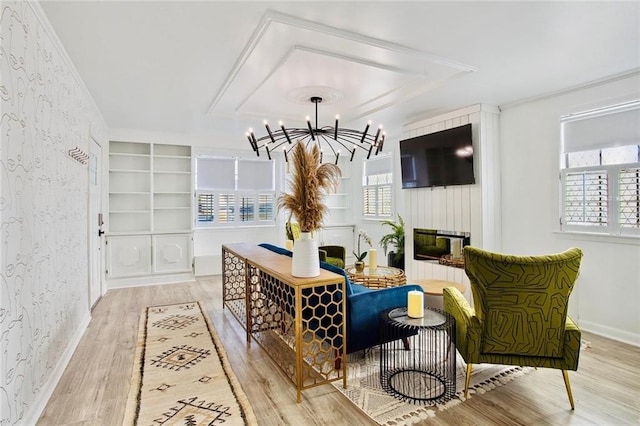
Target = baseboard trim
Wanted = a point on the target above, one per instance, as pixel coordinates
(610, 333)
(52, 383)
(150, 280)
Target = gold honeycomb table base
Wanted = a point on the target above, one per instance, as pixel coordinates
(299, 322)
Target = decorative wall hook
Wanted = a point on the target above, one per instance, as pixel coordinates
(79, 155)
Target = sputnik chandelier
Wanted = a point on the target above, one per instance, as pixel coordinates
(333, 137)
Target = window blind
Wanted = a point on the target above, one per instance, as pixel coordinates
(615, 126)
(215, 174)
(257, 175)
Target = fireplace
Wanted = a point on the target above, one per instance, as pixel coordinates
(444, 247)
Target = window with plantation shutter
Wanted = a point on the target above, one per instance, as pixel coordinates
(234, 192)
(226, 208)
(205, 208)
(586, 200)
(629, 190)
(600, 168)
(377, 195)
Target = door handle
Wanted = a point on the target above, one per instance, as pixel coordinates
(100, 232)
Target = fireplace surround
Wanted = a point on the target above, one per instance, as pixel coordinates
(438, 245)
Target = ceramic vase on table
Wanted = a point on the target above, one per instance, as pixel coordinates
(306, 261)
(359, 266)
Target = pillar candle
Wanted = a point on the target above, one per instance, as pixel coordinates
(289, 245)
(415, 304)
(373, 260)
(456, 248)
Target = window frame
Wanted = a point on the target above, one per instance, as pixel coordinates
(378, 190)
(613, 200)
(239, 195)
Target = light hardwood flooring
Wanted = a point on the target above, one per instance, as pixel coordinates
(94, 387)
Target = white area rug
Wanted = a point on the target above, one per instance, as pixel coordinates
(364, 390)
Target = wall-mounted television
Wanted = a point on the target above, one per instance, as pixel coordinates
(438, 159)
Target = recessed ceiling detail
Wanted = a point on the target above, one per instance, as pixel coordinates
(289, 59)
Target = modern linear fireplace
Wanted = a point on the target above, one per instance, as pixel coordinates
(444, 247)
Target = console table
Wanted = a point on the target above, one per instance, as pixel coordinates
(299, 322)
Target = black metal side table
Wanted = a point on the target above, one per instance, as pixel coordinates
(425, 371)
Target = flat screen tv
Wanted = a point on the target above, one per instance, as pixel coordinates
(438, 159)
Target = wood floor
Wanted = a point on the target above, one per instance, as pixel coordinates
(94, 387)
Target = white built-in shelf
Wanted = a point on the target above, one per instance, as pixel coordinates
(152, 184)
(150, 209)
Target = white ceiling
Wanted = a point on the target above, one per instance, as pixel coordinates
(214, 68)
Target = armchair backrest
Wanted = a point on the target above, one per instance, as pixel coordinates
(522, 301)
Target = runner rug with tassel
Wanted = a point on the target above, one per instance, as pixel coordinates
(181, 373)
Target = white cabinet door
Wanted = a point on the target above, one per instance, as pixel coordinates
(171, 253)
(128, 256)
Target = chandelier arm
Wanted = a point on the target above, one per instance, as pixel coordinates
(355, 141)
(327, 141)
(349, 139)
(347, 144)
(272, 141)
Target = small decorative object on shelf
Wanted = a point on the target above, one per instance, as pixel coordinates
(310, 181)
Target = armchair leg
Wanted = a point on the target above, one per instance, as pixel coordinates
(565, 376)
(467, 380)
(337, 362)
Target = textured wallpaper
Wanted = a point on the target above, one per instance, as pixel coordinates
(46, 112)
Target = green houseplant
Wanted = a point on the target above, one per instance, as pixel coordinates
(396, 240)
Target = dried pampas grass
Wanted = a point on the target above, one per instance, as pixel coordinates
(309, 183)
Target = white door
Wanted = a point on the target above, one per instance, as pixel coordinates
(95, 223)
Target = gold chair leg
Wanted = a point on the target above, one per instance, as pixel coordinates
(565, 376)
(467, 380)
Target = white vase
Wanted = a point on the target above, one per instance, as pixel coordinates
(306, 260)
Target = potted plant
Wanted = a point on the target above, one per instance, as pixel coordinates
(360, 255)
(309, 182)
(395, 239)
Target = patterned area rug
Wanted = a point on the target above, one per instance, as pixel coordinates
(364, 390)
(181, 373)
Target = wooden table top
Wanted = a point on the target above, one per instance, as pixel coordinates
(436, 287)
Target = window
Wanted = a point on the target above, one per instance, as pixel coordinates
(377, 196)
(600, 170)
(234, 192)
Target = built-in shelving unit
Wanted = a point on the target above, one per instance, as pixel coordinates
(339, 203)
(150, 209)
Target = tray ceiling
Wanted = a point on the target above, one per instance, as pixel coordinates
(288, 60)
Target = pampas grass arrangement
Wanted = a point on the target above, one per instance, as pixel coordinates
(309, 183)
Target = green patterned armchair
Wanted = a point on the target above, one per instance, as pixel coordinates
(520, 316)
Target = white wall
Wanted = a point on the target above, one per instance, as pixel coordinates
(46, 111)
(607, 294)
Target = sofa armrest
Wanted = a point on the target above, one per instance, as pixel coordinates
(379, 300)
(363, 312)
(468, 326)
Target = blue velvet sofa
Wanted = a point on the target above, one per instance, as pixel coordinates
(364, 305)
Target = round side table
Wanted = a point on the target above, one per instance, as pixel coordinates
(436, 287)
(425, 372)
